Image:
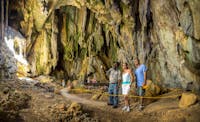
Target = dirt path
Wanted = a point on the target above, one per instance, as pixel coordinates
(47, 105)
(102, 112)
(74, 98)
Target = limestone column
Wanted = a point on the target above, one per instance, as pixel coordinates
(7, 6)
(2, 19)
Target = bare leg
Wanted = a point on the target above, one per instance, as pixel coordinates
(127, 104)
(126, 101)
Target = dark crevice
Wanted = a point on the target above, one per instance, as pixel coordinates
(138, 25)
(87, 21)
(103, 1)
(116, 6)
(104, 48)
(149, 19)
(61, 48)
(148, 44)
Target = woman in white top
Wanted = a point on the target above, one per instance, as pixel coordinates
(127, 79)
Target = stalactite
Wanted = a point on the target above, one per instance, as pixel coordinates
(7, 8)
(0, 23)
(2, 20)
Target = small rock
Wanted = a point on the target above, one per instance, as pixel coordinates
(74, 107)
(187, 99)
(96, 96)
(74, 83)
(57, 91)
(152, 89)
(44, 79)
(61, 107)
(48, 96)
(6, 90)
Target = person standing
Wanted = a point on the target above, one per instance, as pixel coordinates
(127, 79)
(140, 74)
(114, 79)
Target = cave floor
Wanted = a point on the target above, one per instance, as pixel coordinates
(46, 101)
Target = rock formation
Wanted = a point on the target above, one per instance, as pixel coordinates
(77, 37)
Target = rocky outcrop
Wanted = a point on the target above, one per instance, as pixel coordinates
(187, 99)
(11, 102)
(8, 64)
(77, 37)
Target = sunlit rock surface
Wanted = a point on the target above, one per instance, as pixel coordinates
(8, 63)
(78, 37)
(187, 99)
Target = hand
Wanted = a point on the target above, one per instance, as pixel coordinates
(118, 87)
(144, 83)
(130, 85)
(102, 68)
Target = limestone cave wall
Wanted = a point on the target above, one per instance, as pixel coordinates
(74, 38)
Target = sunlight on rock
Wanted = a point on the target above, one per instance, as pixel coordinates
(17, 45)
(187, 99)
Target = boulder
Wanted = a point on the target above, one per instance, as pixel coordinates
(44, 79)
(75, 83)
(151, 89)
(75, 109)
(96, 96)
(22, 70)
(61, 107)
(6, 90)
(187, 99)
(57, 91)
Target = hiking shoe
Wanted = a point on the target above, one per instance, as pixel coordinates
(124, 108)
(115, 106)
(141, 107)
(128, 109)
(109, 104)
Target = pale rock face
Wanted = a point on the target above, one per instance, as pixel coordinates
(79, 36)
(187, 99)
(8, 66)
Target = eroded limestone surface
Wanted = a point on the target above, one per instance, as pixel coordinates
(77, 37)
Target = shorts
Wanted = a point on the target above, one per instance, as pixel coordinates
(140, 91)
(125, 89)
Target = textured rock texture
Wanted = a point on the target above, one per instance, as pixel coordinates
(8, 63)
(76, 37)
(187, 99)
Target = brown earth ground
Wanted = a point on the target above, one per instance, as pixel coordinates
(44, 102)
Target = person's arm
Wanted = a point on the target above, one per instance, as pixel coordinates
(145, 78)
(108, 72)
(145, 75)
(132, 77)
(119, 77)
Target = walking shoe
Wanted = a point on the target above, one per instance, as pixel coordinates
(124, 108)
(128, 109)
(109, 104)
(141, 107)
(115, 106)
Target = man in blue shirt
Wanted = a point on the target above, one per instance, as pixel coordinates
(140, 75)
